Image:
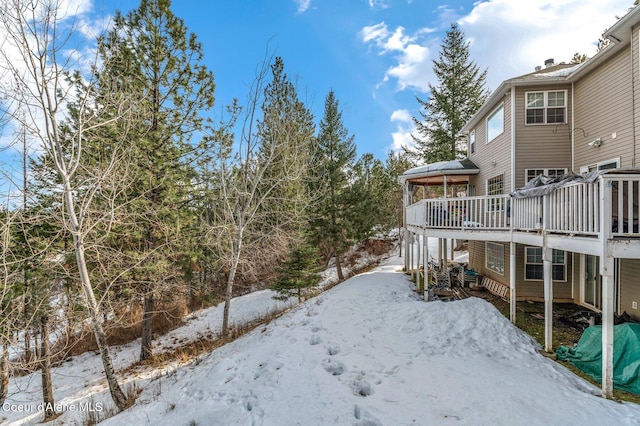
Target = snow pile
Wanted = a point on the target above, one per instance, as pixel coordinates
(369, 352)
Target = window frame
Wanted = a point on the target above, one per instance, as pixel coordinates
(601, 165)
(545, 172)
(545, 108)
(494, 114)
(555, 266)
(472, 141)
(494, 252)
(495, 204)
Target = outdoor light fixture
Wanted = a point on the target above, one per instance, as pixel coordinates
(596, 143)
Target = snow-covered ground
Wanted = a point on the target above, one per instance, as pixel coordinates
(366, 352)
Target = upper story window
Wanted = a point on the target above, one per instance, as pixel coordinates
(546, 107)
(495, 123)
(552, 173)
(472, 141)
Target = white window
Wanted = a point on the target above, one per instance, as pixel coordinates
(495, 123)
(533, 266)
(495, 186)
(552, 173)
(494, 254)
(472, 141)
(546, 107)
(608, 164)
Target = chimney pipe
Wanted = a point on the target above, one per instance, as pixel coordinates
(548, 63)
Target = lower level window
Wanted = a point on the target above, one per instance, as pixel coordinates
(533, 265)
(495, 257)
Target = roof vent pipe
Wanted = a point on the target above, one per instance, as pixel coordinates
(548, 63)
(538, 68)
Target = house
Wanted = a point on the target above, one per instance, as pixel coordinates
(576, 240)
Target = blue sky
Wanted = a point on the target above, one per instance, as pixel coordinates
(376, 54)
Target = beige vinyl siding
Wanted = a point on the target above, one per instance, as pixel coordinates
(476, 255)
(477, 258)
(636, 78)
(604, 109)
(534, 290)
(630, 286)
(498, 150)
(540, 146)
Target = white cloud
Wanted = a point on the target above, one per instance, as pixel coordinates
(404, 127)
(379, 4)
(411, 54)
(303, 5)
(511, 37)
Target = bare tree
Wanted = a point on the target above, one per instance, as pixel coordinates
(37, 96)
(265, 172)
(7, 311)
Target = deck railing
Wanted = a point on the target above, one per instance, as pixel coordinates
(611, 203)
(461, 212)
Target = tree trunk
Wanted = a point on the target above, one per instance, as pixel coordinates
(45, 368)
(146, 344)
(235, 260)
(339, 267)
(4, 373)
(90, 298)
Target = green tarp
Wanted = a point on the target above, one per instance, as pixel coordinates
(587, 355)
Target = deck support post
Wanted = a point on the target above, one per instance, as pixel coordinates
(418, 262)
(445, 255)
(607, 273)
(411, 254)
(425, 262)
(547, 272)
(606, 270)
(512, 282)
(407, 202)
(453, 247)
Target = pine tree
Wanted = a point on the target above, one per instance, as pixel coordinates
(459, 94)
(333, 159)
(298, 273)
(286, 131)
(151, 53)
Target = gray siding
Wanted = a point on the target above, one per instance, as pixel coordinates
(604, 109)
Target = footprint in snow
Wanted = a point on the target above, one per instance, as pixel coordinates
(315, 340)
(333, 367)
(333, 350)
(361, 387)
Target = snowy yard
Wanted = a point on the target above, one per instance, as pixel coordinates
(366, 352)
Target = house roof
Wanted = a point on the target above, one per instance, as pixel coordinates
(619, 35)
(455, 172)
